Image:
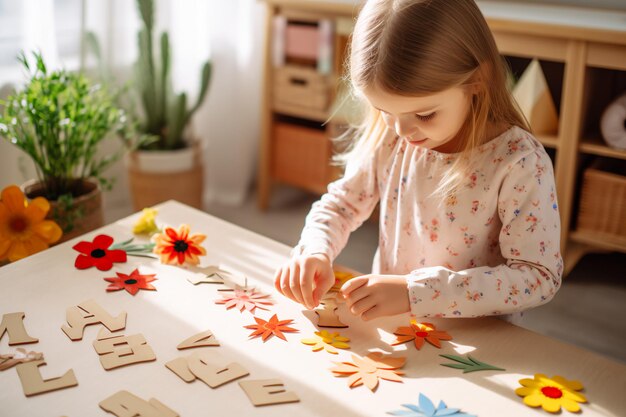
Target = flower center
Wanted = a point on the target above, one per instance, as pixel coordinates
(130, 281)
(421, 334)
(180, 246)
(18, 224)
(552, 392)
(98, 253)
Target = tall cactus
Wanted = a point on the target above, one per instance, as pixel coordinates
(165, 112)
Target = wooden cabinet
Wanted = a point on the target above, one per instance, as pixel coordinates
(582, 53)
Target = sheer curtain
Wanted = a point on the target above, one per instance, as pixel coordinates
(229, 33)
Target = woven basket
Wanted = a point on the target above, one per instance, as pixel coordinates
(603, 203)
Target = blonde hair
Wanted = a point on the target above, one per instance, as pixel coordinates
(421, 47)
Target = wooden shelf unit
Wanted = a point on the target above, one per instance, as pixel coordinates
(579, 40)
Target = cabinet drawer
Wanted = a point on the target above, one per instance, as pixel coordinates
(301, 86)
(301, 156)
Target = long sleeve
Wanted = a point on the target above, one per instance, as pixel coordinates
(347, 204)
(529, 242)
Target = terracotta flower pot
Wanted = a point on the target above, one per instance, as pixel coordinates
(157, 176)
(83, 215)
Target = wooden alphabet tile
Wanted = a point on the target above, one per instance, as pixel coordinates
(33, 383)
(125, 404)
(88, 313)
(13, 324)
(267, 392)
(123, 350)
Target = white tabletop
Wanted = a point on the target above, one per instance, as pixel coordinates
(45, 285)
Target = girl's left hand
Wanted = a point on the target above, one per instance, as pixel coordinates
(372, 296)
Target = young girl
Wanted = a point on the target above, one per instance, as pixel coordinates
(469, 224)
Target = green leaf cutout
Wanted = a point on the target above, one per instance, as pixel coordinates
(469, 365)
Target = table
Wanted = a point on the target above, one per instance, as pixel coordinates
(43, 286)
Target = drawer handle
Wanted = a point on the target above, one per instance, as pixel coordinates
(298, 81)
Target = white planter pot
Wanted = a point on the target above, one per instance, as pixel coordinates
(163, 162)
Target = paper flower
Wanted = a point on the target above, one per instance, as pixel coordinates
(420, 332)
(551, 393)
(469, 365)
(340, 279)
(97, 254)
(23, 230)
(178, 247)
(369, 369)
(146, 225)
(426, 408)
(9, 360)
(272, 327)
(243, 299)
(131, 283)
(327, 341)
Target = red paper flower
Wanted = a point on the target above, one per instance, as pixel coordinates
(96, 254)
(178, 246)
(272, 327)
(244, 300)
(131, 283)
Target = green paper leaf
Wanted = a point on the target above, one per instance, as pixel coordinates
(469, 365)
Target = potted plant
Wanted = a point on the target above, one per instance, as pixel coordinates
(170, 166)
(59, 119)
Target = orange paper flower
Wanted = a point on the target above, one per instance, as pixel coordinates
(244, 300)
(272, 327)
(551, 393)
(178, 247)
(23, 228)
(420, 332)
(369, 369)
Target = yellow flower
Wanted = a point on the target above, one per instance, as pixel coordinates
(328, 341)
(146, 223)
(340, 279)
(551, 393)
(23, 230)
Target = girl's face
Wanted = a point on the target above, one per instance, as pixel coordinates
(431, 122)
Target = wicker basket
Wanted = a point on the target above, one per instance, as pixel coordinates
(603, 203)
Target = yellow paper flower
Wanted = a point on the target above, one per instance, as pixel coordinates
(551, 393)
(340, 279)
(146, 224)
(23, 228)
(178, 247)
(328, 341)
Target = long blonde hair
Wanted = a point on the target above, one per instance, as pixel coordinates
(420, 47)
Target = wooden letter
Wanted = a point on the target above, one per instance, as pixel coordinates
(267, 392)
(327, 315)
(33, 383)
(122, 350)
(125, 404)
(199, 340)
(208, 367)
(88, 313)
(13, 323)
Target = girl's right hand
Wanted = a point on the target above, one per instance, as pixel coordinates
(305, 279)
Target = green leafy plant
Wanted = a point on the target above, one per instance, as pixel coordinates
(166, 113)
(59, 119)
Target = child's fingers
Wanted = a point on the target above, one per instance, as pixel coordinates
(306, 285)
(294, 282)
(372, 313)
(278, 276)
(323, 283)
(284, 282)
(352, 285)
(357, 295)
(362, 305)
